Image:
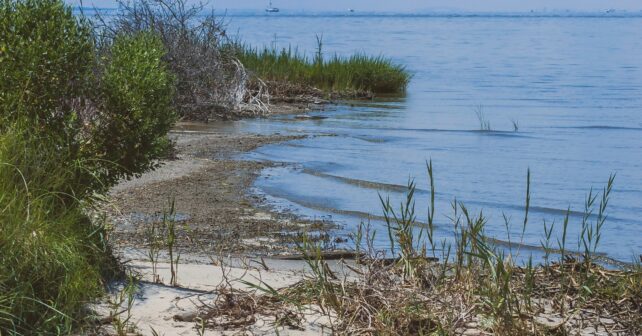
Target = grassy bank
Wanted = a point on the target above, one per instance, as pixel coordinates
(71, 126)
(357, 73)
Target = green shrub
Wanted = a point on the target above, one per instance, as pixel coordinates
(110, 116)
(46, 60)
(137, 94)
(207, 80)
(46, 68)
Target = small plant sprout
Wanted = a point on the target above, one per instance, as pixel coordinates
(546, 244)
(401, 230)
(431, 209)
(154, 247)
(169, 222)
(592, 232)
(318, 58)
(561, 244)
(484, 124)
(122, 303)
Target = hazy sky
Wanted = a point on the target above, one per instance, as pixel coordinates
(415, 5)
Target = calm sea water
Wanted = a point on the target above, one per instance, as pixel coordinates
(574, 86)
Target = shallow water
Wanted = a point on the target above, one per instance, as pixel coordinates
(574, 85)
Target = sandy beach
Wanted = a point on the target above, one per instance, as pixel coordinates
(226, 235)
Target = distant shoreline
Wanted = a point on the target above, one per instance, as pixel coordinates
(422, 14)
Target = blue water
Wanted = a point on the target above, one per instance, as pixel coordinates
(574, 86)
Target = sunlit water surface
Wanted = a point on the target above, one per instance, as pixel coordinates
(573, 85)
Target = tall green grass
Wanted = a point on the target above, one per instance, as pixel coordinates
(53, 257)
(358, 72)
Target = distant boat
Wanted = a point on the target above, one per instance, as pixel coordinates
(271, 9)
(610, 11)
(351, 10)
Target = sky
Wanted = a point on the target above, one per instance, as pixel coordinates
(413, 5)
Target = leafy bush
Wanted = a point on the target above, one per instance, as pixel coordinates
(136, 99)
(46, 60)
(109, 116)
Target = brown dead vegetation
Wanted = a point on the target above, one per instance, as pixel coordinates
(478, 289)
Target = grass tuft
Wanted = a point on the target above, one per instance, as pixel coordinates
(359, 72)
(53, 257)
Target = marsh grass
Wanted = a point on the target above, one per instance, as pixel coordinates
(477, 287)
(351, 75)
(54, 258)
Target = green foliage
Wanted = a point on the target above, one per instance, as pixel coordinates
(357, 72)
(46, 59)
(70, 127)
(113, 124)
(53, 258)
(46, 67)
(137, 94)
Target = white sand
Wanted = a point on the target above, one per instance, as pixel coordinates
(157, 305)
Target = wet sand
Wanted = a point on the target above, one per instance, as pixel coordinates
(209, 187)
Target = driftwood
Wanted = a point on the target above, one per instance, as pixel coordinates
(309, 117)
(327, 255)
(348, 255)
